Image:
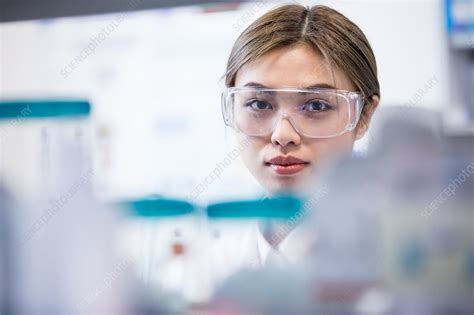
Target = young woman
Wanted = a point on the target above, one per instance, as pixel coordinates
(301, 88)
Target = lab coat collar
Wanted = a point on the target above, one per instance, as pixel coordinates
(293, 248)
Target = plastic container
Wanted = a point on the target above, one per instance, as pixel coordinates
(44, 148)
(163, 238)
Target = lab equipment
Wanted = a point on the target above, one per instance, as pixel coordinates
(69, 263)
(414, 204)
(460, 23)
(164, 237)
(343, 262)
(427, 231)
(61, 253)
(315, 113)
(45, 148)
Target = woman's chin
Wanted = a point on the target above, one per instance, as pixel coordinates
(285, 186)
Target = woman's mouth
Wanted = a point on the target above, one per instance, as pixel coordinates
(286, 165)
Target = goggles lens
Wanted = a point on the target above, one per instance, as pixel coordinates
(314, 113)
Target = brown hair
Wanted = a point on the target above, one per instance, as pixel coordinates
(328, 32)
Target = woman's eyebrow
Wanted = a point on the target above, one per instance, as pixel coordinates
(255, 84)
(259, 85)
(320, 85)
(313, 86)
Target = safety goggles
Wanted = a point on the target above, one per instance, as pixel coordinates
(314, 113)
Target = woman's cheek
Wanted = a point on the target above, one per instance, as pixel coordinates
(327, 150)
(251, 151)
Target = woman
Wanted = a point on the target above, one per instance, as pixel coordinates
(301, 88)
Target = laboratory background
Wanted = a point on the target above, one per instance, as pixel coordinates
(123, 192)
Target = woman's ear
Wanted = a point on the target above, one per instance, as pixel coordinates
(366, 116)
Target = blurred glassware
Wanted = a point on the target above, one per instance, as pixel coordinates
(61, 244)
(405, 222)
(163, 239)
(44, 147)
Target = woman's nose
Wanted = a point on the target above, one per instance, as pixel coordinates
(285, 134)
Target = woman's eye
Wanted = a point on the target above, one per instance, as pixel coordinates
(317, 106)
(259, 105)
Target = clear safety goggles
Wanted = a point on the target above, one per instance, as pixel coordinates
(314, 113)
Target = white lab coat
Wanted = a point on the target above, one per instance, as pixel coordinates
(243, 246)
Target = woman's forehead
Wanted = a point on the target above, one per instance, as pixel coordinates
(298, 67)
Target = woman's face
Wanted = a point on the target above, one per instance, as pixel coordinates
(297, 67)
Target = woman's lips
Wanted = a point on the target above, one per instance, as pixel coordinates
(286, 165)
(288, 169)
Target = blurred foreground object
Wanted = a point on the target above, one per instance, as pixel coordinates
(393, 235)
(60, 255)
